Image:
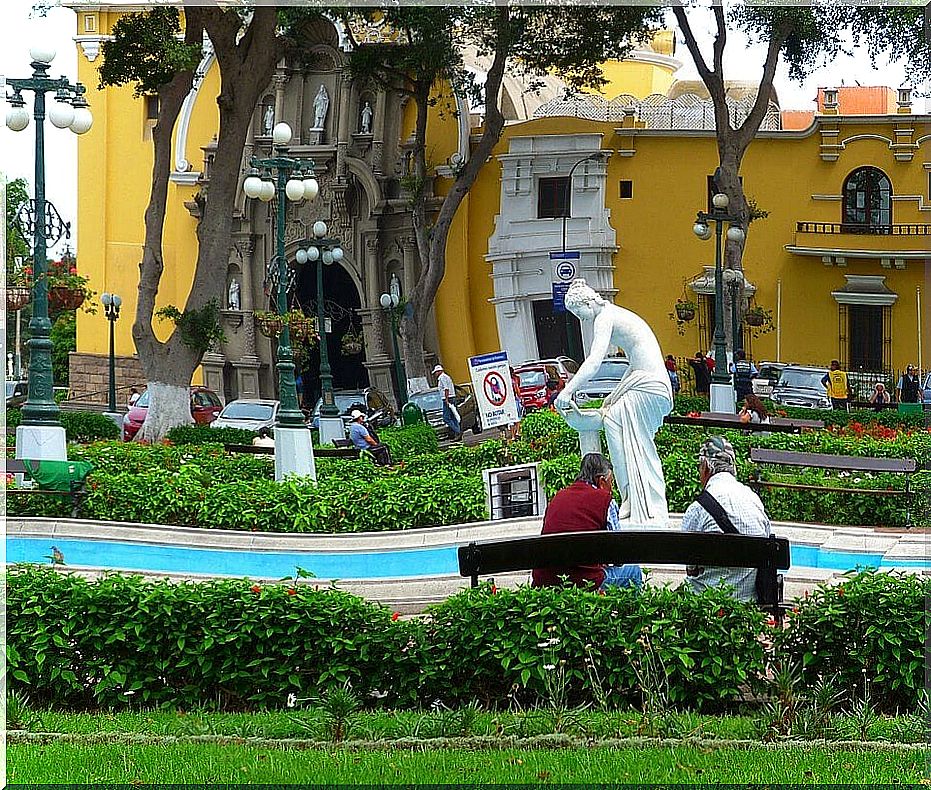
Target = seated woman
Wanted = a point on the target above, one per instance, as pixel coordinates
(753, 411)
(880, 397)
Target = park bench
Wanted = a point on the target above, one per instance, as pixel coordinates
(848, 463)
(648, 547)
(319, 452)
(712, 419)
(75, 493)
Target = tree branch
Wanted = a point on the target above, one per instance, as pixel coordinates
(751, 125)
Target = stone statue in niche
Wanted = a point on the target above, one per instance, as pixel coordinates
(233, 302)
(365, 119)
(268, 120)
(321, 105)
(632, 413)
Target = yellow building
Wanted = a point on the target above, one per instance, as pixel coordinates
(839, 260)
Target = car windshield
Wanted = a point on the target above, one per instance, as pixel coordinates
(428, 401)
(10, 388)
(611, 369)
(803, 379)
(248, 411)
(345, 401)
(532, 378)
(143, 400)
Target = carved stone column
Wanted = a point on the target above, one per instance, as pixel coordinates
(411, 266)
(343, 127)
(378, 138)
(279, 81)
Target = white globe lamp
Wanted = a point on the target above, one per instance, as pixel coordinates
(42, 53)
(281, 134)
(294, 189)
(61, 115)
(319, 229)
(720, 200)
(327, 257)
(311, 188)
(735, 234)
(385, 300)
(83, 120)
(313, 254)
(337, 254)
(301, 256)
(17, 118)
(252, 186)
(268, 191)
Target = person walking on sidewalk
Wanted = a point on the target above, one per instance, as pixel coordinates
(835, 380)
(448, 393)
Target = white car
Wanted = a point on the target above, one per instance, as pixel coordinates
(251, 414)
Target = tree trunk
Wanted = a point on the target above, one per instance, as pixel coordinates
(169, 406)
(431, 241)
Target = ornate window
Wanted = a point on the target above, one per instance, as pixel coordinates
(867, 201)
(553, 199)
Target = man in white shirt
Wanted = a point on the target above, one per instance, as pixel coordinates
(717, 466)
(448, 390)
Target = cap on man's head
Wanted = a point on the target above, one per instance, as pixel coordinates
(718, 452)
(437, 368)
(355, 414)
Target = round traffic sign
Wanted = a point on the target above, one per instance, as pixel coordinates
(565, 270)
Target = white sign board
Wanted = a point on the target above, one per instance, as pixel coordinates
(494, 393)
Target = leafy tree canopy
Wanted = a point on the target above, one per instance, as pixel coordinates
(16, 194)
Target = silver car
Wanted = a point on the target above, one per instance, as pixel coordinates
(802, 386)
(251, 414)
(606, 378)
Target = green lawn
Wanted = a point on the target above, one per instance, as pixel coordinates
(211, 763)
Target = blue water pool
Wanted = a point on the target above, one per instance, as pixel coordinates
(119, 555)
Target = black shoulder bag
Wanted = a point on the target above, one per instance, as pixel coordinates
(767, 585)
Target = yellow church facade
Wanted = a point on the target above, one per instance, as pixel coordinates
(840, 260)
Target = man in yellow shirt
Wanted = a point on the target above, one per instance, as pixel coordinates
(836, 382)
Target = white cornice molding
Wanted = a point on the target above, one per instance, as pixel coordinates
(818, 252)
(91, 44)
(654, 59)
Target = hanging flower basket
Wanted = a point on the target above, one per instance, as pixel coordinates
(755, 319)
(64, 298)
(685, 311)
(351, 344)
(303, 327)
(17, 297)
(269, 324)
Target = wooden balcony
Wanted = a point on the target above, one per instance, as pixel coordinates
(835, 242)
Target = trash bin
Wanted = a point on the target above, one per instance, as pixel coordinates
(59, 475)
(412, 414)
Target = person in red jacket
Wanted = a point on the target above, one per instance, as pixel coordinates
(586, 506)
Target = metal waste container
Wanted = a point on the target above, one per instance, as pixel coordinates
(412, 414)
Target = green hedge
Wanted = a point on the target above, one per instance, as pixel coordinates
(410, 441)
(867, 634)
(122, 642)
(890, 418)
(204, 434)
(80, 426)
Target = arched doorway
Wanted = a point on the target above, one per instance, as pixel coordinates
(341, 305)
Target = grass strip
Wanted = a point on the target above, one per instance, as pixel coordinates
(62, 762)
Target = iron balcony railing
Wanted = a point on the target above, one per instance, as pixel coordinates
(863, 229)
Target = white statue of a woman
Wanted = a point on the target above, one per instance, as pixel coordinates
(233, 295)
(268, 122)
(365, 121)
(633, 412)
(321, 105)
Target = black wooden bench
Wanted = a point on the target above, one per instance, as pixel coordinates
(319, 452)
(76, 494)
(654, 547)
(711, 419)
(848, 463)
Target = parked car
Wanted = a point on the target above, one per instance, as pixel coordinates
(769, 374)
(606, 378)
(205, 406)
(250, 414)
(926, 394)
(801, 386)
(533, 378)
(431, 403)
(368, 400)
(16, 392)
(566, 366)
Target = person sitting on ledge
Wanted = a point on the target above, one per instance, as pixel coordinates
(724, 505)
(586, 506)
(264, 438)
(880, 397)
(361, 438)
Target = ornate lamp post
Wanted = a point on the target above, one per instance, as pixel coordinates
(294, 181)
(40, 436)
(390, 302)
(324, 251)
(111, 309)
(722, 384)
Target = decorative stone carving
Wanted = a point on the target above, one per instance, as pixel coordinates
(233, 296)
(365, 119)
(321, 105)
(268, 120)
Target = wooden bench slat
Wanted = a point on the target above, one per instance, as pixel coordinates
(319, 452)
(660, 547)
(827, 461)
(829, 489)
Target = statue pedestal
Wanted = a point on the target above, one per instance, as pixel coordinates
(316, 136)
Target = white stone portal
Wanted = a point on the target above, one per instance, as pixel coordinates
(519, 249)
(294, 453)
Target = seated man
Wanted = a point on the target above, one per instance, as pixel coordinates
(586, 506)
(361, 438)
(725, 505)
(263, 438)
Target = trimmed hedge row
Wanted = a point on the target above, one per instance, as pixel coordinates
(80, 426)
(122, 642)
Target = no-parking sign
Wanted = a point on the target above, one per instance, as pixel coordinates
(494, 393)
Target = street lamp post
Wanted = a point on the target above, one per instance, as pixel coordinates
(40, 436)
(293, 181)
(598, 156)
(111, 309)
(722, 385)
(324, 251)
(390, 301)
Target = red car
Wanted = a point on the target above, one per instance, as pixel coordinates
(533, 378)
(205, 406)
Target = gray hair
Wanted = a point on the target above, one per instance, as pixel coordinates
(594, 465)
(581, 293)
(718, 455)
